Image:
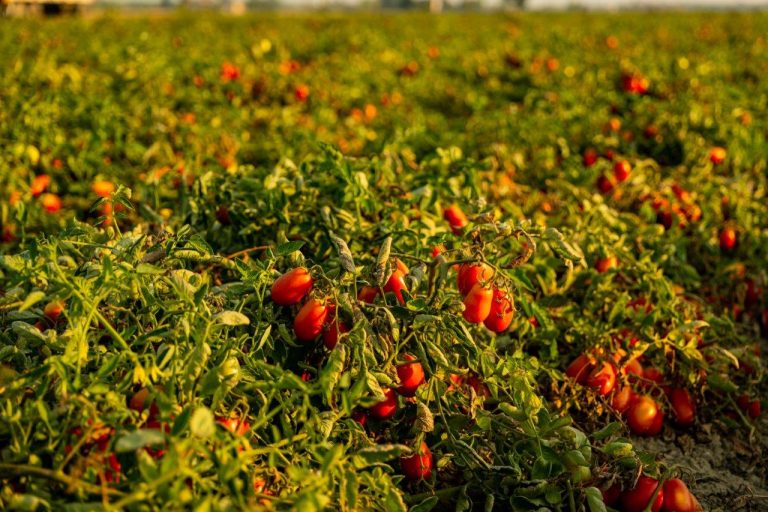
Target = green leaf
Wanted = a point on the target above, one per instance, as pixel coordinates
(289, 247)
(594, 499)
(231, 318)
(381, 452)
(32, 299)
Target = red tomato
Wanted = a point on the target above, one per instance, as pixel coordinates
(683, 406)
(717, 155)
(310, 320)
(236, 426)
(470, 274)
(386, 408)
(103, 188)
(633, 367)
(727, 239)
(53, 310)
(611, 495)
(411, 376)
(301, 93)
(638, 498)
(622, 399)
(456, 218)
(604, 184)
(602, 378)
(501, 313)
(367, 294)
(751, 407)
(437, 250)
(677, 497)
(603, 265)
(396, 284)
(622, 170)
(477, 304)
(291, 287)
(580, 369)
(360, 417)
(645, 417)
(653, 377)
(418, 465)
(51, 202)
(229, 72)
(590, 157)
(40, 184)
(331, 334)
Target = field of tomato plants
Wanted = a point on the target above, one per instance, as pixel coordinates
(356, 262)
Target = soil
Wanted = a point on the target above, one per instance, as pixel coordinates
(726, 470)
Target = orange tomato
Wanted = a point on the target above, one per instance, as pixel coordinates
(396, 284)
(645, 416)
(456, 218)
(291, 287)
(501, 313)
(639, 497)
(470, 274)
(411, 375)
(602, 378)
(677, 497)
(310, 320)
(580, 369)
(51, 202)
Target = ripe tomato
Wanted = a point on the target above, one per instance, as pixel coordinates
(683, 406)
(301, 93)
(645, 416)
(751, 407)
(386, 408)
(580, 369)
(331, 334)
(622, 399)
(360, 417)
(677, 497)
(633, 367)
(470, 274)
(291, 287)
(103, 188)
(51, 202)
(367, 294)
(717, 155)
(477, 304)
(622, 170)
(602, 378)
(53, 310)
(396, 284)
(402, 267)
(611, 495)
(727, 239)
(590, 157)
(604, 184)
(418, 465)
(456, 218)
(603, 265)
(501, 313)
(237, 426)
(638, 498)
(653, 377)
(40, 184)
(411, 375)
(310, 320)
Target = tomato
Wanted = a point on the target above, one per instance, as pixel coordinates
(103, 188)
(683, 406)
(611, 495)
(604, 184)
(301, 93)
(477, 304)
(236, 426)
(717, 155)
(51, 202)
(40, 184)
(229, 72)
(645, 416)
(411, 375)
(367, 294)
(603, 265)
(622, 170)
(331, 334)
(437, 250)
(386, 408)
(472, 273)
(502, 312)
(418, 465)
(53, 310)
(360, 417)
(291, 287)
(402, 267)
(580, 368)
(602, 378)
(751, 407)
(396, 284)
(141, 400)
(590, 157)
(622, 399)
(638, 498)
(633, 367)
(310, 320)
(456, 218)
(677, 497)
(727, 239)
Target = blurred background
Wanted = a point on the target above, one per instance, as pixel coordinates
(57, 7)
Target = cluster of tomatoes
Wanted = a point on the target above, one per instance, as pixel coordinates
(317, 317)
(650, 494)
(680, 211)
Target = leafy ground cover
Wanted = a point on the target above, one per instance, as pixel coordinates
(383, 263)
